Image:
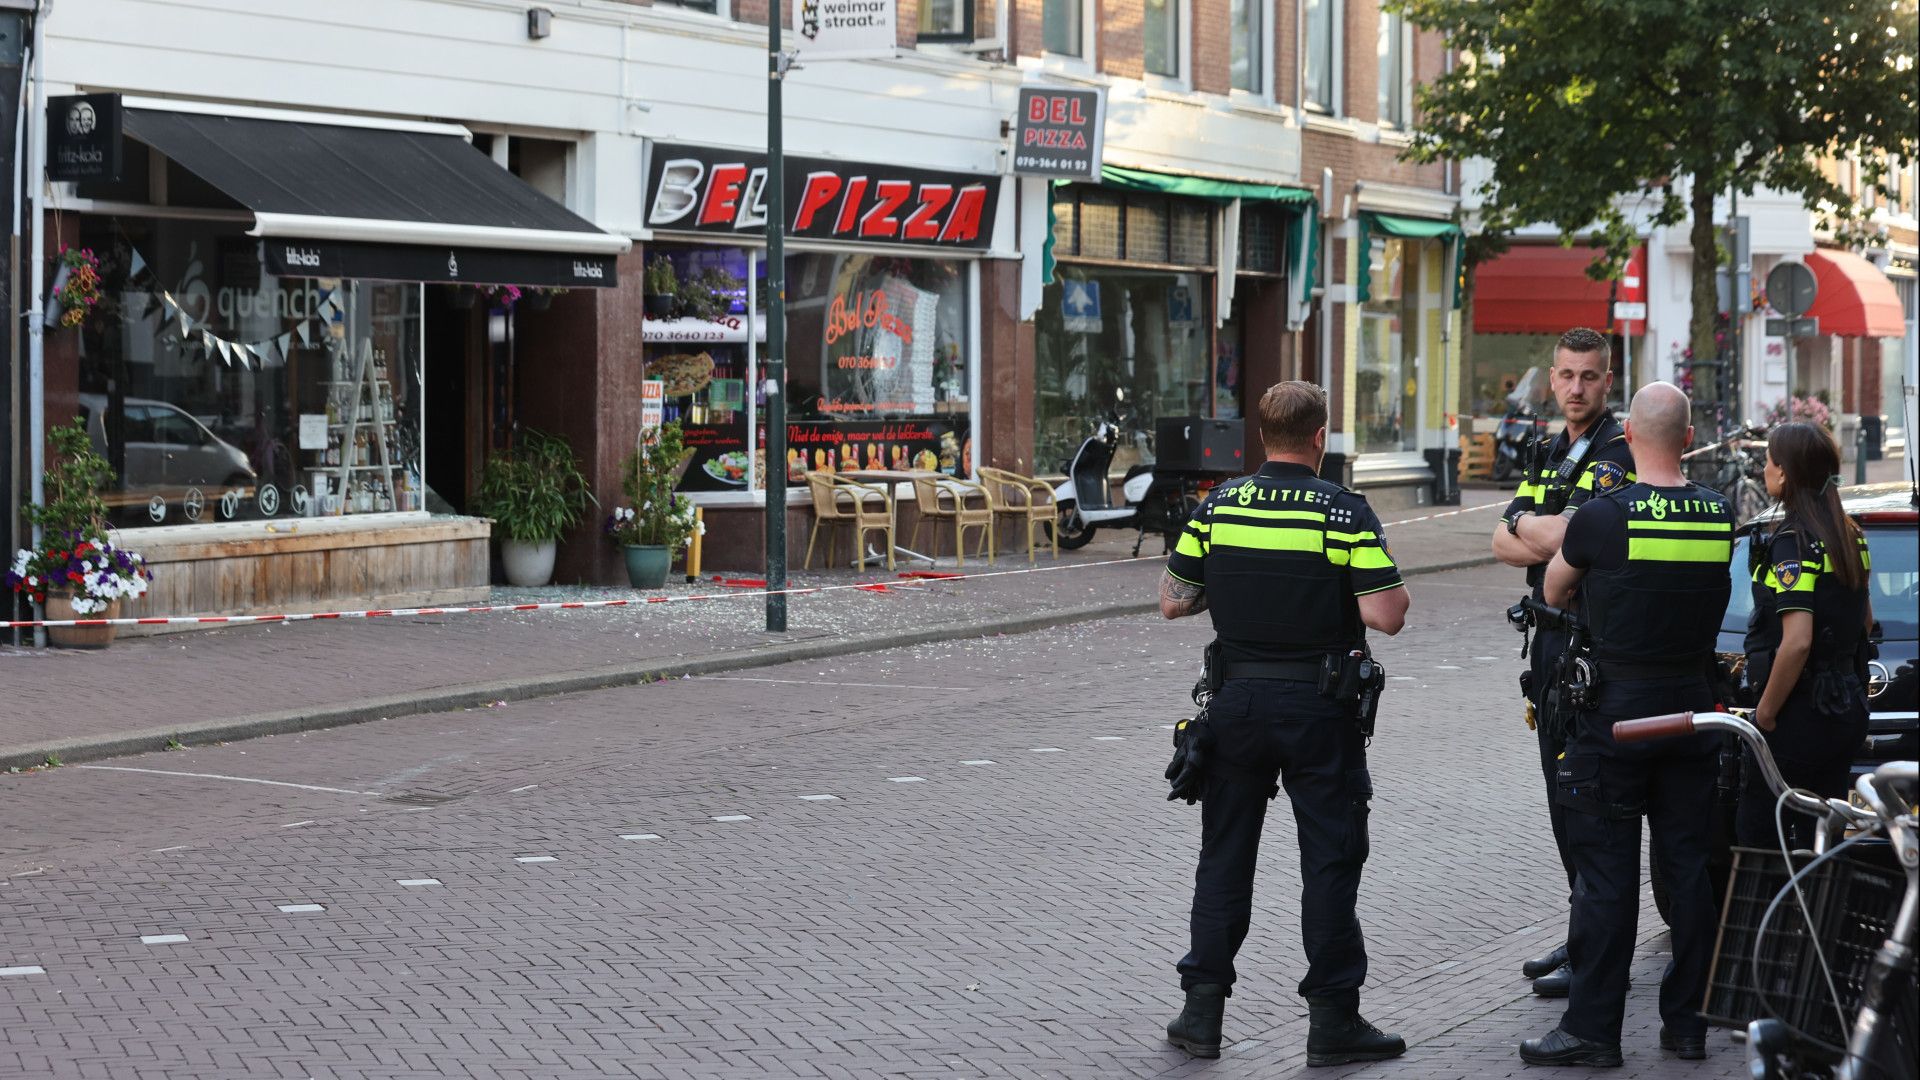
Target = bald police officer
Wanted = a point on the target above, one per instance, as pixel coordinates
(1647, 566)
(1294, 569)
(1589, 457)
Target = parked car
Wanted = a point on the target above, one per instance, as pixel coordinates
(166, 448)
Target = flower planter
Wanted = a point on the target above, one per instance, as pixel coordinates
(660, 305)
(527, 565)
(59, 605)
(536, 300)
(647, 565)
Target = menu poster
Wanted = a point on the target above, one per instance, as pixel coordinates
(719, 461)
(840, 446)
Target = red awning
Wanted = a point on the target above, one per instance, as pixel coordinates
(1544, 289)
(1855, 298)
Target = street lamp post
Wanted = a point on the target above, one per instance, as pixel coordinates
(775, 369)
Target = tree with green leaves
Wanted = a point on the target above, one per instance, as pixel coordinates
(1581, 105)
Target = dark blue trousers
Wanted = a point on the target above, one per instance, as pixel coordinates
(1548, 646)
(1605, 788)
(1263, 730)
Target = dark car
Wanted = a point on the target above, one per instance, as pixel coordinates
(1887, 515)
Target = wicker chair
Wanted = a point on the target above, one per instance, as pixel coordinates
(872, 512)
(828, 511)
(1014, 496)
(940, 501)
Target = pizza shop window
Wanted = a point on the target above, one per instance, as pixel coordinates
(702, 346)
(877, 354)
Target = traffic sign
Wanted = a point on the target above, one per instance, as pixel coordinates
(1792, 327)
(1791, 289)
(1629, 310)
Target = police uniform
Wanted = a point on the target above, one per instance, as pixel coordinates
(1655, 590)
(1283, 556)
(1608, 467)
(1824, 720)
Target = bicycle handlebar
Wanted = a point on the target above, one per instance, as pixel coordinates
(1653, 727)
(1683, 723)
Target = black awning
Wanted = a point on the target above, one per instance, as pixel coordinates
(351, 201)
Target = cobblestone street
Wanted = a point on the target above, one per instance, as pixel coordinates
(948, 860)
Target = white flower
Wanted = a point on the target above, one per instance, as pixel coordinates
(700, 527)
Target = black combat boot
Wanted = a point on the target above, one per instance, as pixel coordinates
(1197, 1029)
(1338, 1034)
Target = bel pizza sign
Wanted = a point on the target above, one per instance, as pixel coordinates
(705, 190)
(1060, 132)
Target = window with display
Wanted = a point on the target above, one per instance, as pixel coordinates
(1386, 390)
(1100, 330)
(221, 393)
(877, 355)
(700, 345)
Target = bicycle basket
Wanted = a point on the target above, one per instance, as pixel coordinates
(1852, 901)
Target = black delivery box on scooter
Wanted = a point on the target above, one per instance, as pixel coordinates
(1200, 444)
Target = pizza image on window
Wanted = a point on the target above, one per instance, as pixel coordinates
(684, 373)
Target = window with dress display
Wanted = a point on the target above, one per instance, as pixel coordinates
(220, 393)
(1386, 386)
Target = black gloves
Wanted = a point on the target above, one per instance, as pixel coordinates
(1186, 773)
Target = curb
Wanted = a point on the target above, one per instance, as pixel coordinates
(288, 722)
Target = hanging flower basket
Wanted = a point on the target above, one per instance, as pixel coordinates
(76, 287)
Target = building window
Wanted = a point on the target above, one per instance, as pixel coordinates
(1260, 235)
(1098, 223)
(1393, 69)
(705, 7)
(1386, 384)
(288, 397)
(946, 20)
(1319, 59)
(1247, 65)
(1060, 30)
(1161, 27)
(704, 358)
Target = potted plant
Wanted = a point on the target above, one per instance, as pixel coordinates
(656, 523)
(76, 287)
(662, 288)
(76, 572)
(537, 299)
(534, 492)
(503, 297)
(708, 295)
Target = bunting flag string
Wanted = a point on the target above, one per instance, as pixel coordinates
(263, 352)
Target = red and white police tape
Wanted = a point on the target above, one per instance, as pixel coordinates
(907, 579)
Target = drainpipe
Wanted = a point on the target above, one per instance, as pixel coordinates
(36, 181)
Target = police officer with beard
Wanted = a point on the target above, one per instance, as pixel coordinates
(1589, 457)
(1294, 570)
(1647, 566)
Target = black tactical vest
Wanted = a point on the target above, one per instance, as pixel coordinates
(1664, 604)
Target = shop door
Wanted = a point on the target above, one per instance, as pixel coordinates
(455, 399)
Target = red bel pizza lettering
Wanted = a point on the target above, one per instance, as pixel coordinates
(1055, 109)
(723, 194)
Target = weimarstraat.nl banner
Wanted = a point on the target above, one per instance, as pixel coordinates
(844, 29)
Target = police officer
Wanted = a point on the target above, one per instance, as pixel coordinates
(1588, 457)
(1293, 569)
(1649, 563)
(1812, 617)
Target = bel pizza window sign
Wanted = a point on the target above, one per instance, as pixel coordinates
(705, 190)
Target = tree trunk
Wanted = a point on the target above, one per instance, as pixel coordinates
(1705, 241)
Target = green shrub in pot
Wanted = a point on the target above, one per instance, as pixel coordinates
(534, 493)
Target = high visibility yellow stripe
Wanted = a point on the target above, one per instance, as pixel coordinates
(1370, 558)
(1201, 527)
(1352, 537)
(1190, 545)
(1681, 526)
(1266, 537)
(1269, 515)
(1664, 549)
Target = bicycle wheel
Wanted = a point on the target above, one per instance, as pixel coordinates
(1749, 500)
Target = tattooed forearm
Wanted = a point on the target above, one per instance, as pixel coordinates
(1179, 598)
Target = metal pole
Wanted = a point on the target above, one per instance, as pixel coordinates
(775, 365)
(36, 180)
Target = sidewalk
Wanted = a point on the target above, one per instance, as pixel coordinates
(219, 685)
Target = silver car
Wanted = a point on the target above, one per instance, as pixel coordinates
(167, 449)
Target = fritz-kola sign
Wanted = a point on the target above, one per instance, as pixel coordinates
(699, 189)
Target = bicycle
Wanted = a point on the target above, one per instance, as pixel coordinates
(1734, 465)
(1820, 975)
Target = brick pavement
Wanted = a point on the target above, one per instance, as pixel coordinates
(1014, 918)
(225, 684)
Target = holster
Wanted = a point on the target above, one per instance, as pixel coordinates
(1355, 678)
(1213, 674)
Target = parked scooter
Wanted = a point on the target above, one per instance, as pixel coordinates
(1526, 421)
(1152, 499)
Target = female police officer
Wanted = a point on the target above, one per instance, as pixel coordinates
(1811, 617)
